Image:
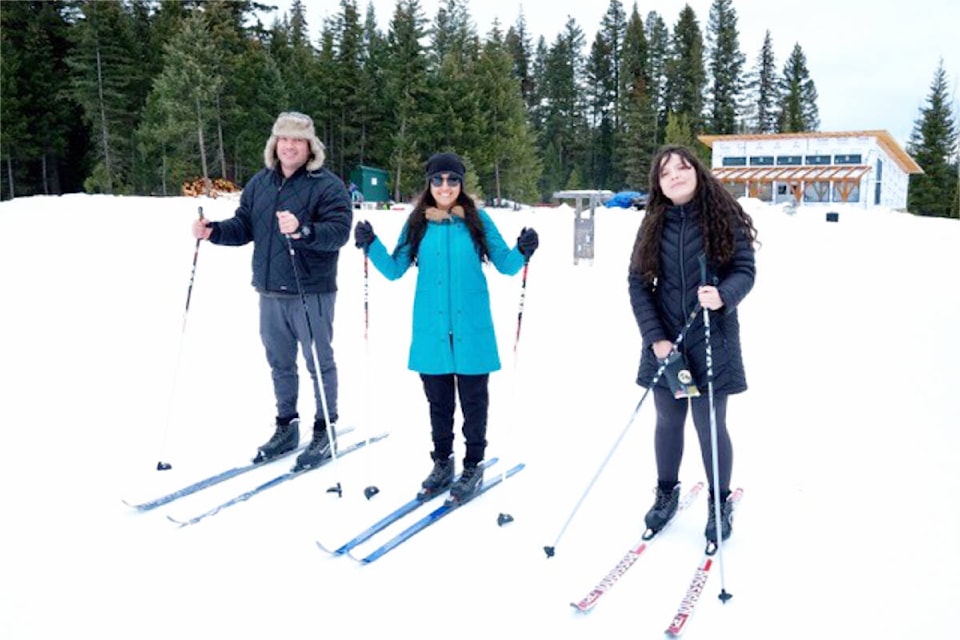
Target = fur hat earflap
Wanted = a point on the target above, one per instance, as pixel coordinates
(292, 124)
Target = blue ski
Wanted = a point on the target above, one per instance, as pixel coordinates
(205, 483)
(389, 519)
(432, 517)
(284, 477)
(149, 505)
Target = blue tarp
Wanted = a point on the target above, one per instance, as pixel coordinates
(626, 199)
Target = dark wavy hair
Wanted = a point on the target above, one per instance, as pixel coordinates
(721, 216)
(417, 222)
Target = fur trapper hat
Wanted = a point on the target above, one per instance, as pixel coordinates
(292, 124)
(445, 163)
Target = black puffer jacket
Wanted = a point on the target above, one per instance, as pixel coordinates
(661, 310)
(319, 199)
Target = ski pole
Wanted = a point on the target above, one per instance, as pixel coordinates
(371, 490)
(523, 296)
(551, 549)
(505, 518)
(714, 455)
(161, 465)
(309, 352)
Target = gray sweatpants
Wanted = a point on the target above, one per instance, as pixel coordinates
(283, 327)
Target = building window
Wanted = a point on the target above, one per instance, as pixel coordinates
(816, 192)
(762, 191)
(876, 197)
(789, 160)
(818, 159)
(735, 162)
(846, 192)
(853, 158)
(736, 189)
(761, 161)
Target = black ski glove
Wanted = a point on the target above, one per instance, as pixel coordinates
(528, 241)
(364, 235)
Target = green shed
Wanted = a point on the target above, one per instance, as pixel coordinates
(372, 183)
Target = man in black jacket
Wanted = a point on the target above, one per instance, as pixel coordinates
(298, 215)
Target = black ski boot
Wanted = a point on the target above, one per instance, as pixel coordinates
(318, 451)
(285, 439)
(665, 505)
(440, 477)
(726, 518)
(467, 485)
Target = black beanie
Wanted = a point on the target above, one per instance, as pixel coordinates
(445, 163)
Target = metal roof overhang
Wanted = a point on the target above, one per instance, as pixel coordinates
(833, 173)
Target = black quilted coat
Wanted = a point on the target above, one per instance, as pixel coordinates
(662, 309)
(319, 199)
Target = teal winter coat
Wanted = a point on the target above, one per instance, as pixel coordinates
(452, 323)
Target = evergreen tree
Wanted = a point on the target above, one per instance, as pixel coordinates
(350, 105)
(260, 95)
(763, 91)
(405, 74)
(518, 44)
(798, 107)
(637, 137)
(686, 76)
(933, 144)
(181, 110)
(726, 63)
(603, 94)
(43, 115)
(307, 86)
(679, 131)
(374, 135)
(613, 28)
(102, 69)
(452, 114)
(658, 46)
(564, 120)
(505, 157)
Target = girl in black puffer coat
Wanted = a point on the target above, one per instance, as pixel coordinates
(690, 218)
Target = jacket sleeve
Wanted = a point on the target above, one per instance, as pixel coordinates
(505, 259)
(237, 230)
(738, 274)
(330, 219)
(644, 303)
(394, 265)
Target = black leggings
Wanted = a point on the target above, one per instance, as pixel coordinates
(474, 400)
(668, 437)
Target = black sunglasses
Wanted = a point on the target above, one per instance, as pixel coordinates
(452, 179)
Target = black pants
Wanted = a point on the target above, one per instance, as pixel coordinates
(668, 437)
(441, 393)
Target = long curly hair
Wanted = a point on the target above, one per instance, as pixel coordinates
(721, 216)
(417, 223)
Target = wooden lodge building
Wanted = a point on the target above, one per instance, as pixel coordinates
(867, 168)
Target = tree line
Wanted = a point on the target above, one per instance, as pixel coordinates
(138, 96)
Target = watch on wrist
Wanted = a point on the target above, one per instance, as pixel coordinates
(305, 230)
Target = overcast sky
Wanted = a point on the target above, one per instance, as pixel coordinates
(873, 63)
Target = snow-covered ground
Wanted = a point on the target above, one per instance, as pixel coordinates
(847, 443)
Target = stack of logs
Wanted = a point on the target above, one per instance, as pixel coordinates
(207, 187)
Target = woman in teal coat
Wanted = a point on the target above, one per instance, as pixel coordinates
(454, 346)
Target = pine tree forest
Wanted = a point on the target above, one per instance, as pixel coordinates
(141, 96)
